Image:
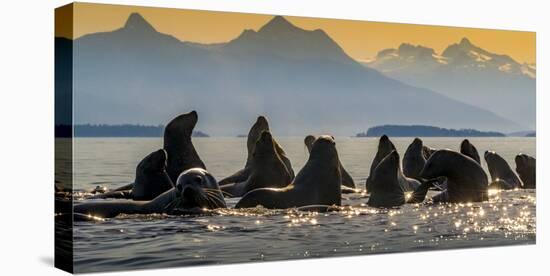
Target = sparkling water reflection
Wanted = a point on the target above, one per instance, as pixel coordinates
(230, 236)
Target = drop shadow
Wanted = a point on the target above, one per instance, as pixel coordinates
(47, 260)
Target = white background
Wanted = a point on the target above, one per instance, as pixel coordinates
(26, 147)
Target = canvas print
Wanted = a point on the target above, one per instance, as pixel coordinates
(188, 137)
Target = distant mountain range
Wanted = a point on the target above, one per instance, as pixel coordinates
(301, 80)
(425, 131)
(468, 73)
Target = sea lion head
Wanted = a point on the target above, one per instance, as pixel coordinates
(151, 176)
(196, 187)
(469, 150)
(389, 165)
(499, 169)
(524, 161)
(259, 126)
(417, 144)
(385, 188)
(155, 162)
(308, 141)
(465, 145)
(261, 123)
(324, 148)
(526, 168)
(385, 146)
(265, 145)
(521, 160)
(493, 159)
(181, 126)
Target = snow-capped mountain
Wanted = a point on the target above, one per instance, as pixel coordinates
(468, 73)
(302, 80)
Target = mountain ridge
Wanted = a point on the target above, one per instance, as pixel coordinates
(468, 73)
(148, 77)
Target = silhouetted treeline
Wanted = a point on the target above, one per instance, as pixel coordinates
(125, 130)
(425, 131)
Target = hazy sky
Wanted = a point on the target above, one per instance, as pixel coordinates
(360, 39)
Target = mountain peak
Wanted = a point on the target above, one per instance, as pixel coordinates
(409, 50)
(465, 42)
(278, 24)
(136, 22)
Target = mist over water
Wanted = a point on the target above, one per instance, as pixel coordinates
(230, 236)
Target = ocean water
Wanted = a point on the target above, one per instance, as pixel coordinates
(233, 236)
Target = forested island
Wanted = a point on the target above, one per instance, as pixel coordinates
(125, 130)
(425, 131)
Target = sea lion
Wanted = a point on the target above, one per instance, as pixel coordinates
(526, 169)
(385, 147)
(502, 175)
(151, 179)
(466, 179)
(267, 170)
(318, 183)
(469, 150)
(195, 188)
(390, 187)
(259, 126)
(347, 180)
(179, 147)
(413, 160)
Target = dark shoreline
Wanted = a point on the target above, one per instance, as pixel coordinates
(425, 131)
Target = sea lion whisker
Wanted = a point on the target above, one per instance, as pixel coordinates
(172, 205)
(217, 191)
(208, 201)
(212, 194)
(207, 198)
(210, 189)
(214, 202)
(215, 199)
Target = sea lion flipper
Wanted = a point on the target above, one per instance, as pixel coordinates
(237, 177)
(441, 197)
(501, 184)
(347, 180)
(233, 189)
(419, 194)
(125, 187)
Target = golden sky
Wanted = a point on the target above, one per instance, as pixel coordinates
(360, 39)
